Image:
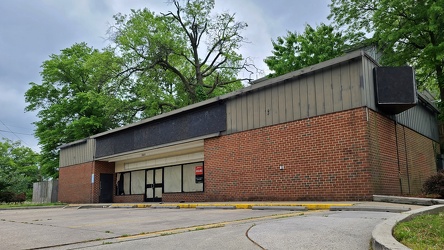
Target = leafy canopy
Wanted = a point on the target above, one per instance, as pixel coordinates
(187, 54)
(157, 63)
(295, 51)
(406, 31)
(18, 167)
(78, 97)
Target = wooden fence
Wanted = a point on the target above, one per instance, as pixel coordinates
(45, 191)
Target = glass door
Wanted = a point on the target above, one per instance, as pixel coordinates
(154, 185)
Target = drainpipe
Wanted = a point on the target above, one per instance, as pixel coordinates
(397, 154)
(406, 161)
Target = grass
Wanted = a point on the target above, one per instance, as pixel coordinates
(29, 204)
(423, 232)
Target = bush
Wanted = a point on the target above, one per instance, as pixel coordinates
(6, 196)
(10, 197)
(435, 184)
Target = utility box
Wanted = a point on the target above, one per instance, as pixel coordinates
(395, 89)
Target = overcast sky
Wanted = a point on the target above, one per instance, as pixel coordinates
(32, 30)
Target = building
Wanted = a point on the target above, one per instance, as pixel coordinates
(338, 130)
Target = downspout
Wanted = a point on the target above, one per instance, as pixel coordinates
(406, 160)
(397, 155)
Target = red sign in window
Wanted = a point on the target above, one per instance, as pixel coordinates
(199, 170)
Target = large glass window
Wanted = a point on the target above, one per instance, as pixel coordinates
(138, 182)
(172, 179)
(126, 183)
(193, 177)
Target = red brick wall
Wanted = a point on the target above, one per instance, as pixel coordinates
(325, 158)
(417, 159)
(128, 198)
(403, 175)
(185, 197)
(75, 183)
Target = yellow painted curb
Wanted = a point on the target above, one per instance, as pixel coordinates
(130, 205)
(249, 205)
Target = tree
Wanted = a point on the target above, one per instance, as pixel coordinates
(296, 51)
(167, 52)
(18, 168)
(406, 31)
(79, 96)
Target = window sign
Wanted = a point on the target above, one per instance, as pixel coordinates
(199, 174)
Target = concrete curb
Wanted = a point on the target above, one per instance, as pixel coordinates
(382, 237)
(371, 209)
(287, 208)
(408, 200)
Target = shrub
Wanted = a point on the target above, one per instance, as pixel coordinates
(6, 196)
(435, 184)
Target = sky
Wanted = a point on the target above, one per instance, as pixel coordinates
(32, 30)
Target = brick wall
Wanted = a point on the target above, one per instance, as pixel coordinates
(185, 197)
(75, 183)
(128, 198)
(324, 158)
(417, 159)
(400, 158)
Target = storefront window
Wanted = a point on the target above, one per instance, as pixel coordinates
(193, 177)
(172, 179)
(175, 179)
(126, 183)
(138, 182)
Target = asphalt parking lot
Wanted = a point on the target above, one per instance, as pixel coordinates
(73, 228)
(148, 228)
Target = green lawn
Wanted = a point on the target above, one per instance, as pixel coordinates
(423, 232)
(29, 204)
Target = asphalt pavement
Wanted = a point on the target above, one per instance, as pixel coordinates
(166, 227)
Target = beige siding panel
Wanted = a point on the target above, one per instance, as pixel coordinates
(289, 114)
(337, 89)
(346, 86)
(311, 96)
(239, 113)
(320, 95)
(275, 103)
(230, 116)
(356, 83)
(78, 153)
(262, 109)
(369, 83)
(244, 112)
(303, 91)
(282, 102)
(250, 111)
(296, 85)
(256, 109)
(268, 107)
(328, 91)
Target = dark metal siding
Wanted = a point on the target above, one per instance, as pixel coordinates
(186, 125)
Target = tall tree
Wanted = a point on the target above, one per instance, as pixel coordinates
(407, 32)
(78, 97)
(18, 167)
(295, 51)
(186, 53)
